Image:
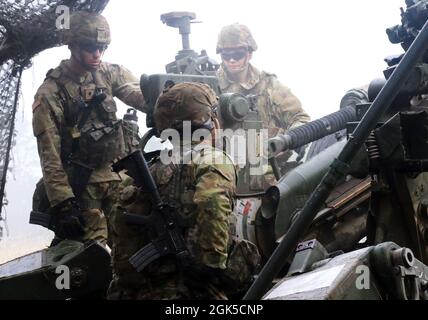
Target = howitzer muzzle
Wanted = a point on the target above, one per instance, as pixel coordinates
(312, 131)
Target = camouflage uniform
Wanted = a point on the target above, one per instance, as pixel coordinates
(201, 187)
(280, 110)
(56, 112)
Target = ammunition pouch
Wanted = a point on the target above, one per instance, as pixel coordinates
(99, 143)
(131, 138)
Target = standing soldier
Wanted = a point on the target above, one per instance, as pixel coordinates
(78, 133)
(200, 183)
(280, 110)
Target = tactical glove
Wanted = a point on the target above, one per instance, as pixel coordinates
(300, 152)
(68, 220)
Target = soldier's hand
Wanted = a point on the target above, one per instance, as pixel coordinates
(69, 222)
(300, 152)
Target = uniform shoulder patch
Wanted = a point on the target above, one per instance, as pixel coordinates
(54, 73)
(107, 67)
(268, 74)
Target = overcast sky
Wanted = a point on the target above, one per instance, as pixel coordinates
(320, 49)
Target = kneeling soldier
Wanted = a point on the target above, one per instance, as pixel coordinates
(197, 185)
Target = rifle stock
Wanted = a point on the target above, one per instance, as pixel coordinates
(79, 179)
(41, 219)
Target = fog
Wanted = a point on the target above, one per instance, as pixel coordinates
(320, 49)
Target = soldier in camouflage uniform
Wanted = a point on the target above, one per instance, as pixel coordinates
(280, 110)
(77, 131)
(200, 183)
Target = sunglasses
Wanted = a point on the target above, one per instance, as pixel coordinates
(235, 55)
(91, 48)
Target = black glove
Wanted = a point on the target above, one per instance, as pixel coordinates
(300, 152)
(68, 220)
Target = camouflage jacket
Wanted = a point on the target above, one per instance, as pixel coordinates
(202, 190)
(56, 113)
(280, 110)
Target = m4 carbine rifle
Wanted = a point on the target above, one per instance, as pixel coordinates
(161, 225)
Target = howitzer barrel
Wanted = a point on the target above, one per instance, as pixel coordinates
(312, 131)
(340, 166)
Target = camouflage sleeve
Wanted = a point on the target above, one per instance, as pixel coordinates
(215, 188)
(126, 87)
(49, 147)
(288, 105)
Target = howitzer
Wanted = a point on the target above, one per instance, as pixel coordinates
(161, 225)
(388, 270)
(341, 165)
(187, 67)
(187, 61)
(412, 20)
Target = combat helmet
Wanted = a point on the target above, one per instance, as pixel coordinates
(235, 35)
(87, 28)
(187, 101)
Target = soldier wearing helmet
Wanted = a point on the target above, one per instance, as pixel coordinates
(200, 184)
(88, 37)
(280, 110)
(78, 133)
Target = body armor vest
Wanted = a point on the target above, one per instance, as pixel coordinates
(176, 185)
(92, 134)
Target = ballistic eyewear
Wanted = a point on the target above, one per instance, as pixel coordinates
(235, 55)
(92, 48)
